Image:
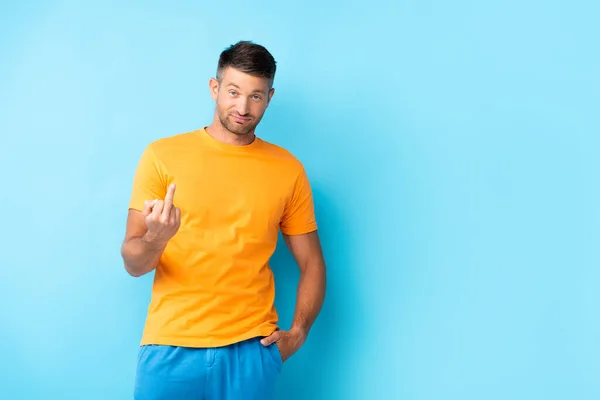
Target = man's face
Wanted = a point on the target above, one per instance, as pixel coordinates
(241, 99)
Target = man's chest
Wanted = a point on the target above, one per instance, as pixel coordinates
(217, 192)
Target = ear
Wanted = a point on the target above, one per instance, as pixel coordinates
(271, 93)
(213, 84)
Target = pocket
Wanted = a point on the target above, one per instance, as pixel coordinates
(147, 355)
(141, 357)
(276, 355)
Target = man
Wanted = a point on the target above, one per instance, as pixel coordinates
(205, 212)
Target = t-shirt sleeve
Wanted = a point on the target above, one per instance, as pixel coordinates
(148, 180)
(299, 213)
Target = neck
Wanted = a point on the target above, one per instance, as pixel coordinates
(222, 134)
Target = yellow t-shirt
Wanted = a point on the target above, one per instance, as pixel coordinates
(213, 285)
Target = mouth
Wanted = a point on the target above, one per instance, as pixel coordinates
(239, 119)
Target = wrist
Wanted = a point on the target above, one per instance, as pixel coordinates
(150, 240)
(299, 330)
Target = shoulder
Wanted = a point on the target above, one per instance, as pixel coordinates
(167, 146)
(282, 156)
(174, 140)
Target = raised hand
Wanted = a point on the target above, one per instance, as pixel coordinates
(162, 218)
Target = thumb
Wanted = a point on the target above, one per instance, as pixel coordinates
(274, 337)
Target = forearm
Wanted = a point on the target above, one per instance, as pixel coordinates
(310, 296)
(140, 256)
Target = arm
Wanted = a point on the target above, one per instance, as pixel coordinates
(308, 254)
(140, 255)
(306, 249)
(299, 229)
(148, 233)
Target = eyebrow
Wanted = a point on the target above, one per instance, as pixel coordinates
(254, 91)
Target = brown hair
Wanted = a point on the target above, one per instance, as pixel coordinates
(248, 57)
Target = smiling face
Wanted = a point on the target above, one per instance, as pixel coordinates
(241, 100)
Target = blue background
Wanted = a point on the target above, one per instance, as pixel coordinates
(453, 152)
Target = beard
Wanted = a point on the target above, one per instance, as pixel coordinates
(237, 128)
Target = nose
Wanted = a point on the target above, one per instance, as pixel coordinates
(242, 107)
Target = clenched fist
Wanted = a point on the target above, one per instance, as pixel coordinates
(162, 218)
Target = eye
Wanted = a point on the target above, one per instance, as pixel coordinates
(256, 97)
(232, 92)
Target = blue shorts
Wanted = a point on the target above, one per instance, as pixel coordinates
(246, 370)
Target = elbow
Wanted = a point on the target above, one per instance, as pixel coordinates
(132, 272)
(315, 265)
(127, 266)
